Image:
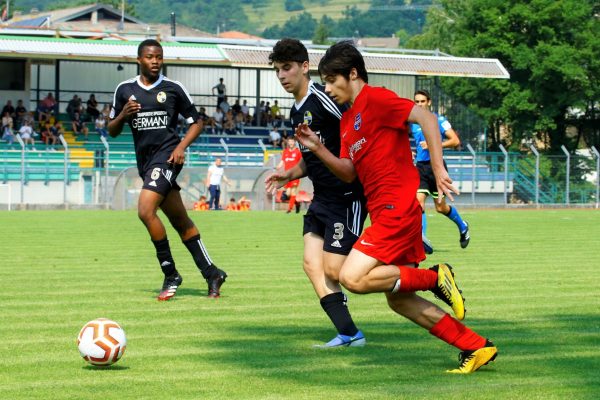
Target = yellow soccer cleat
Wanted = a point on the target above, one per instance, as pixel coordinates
(471, 361)
(447, 290)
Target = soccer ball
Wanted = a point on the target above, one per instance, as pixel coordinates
(101, 342)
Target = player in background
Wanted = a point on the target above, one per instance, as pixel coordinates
(427, 185)
(337, 213)
(290, 157)
(150, 103)
(375, 147)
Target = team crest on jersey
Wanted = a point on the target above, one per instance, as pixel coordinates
(357, 122)
(161, 97)
(307, 117)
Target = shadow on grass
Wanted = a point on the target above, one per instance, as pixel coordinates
(105, 368)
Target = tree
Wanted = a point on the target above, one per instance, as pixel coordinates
(549, 47)
(322, 32)
(301, 26)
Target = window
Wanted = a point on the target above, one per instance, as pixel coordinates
(13, 74)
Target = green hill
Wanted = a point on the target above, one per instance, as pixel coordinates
(273, 12)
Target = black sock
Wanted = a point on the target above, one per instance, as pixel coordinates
(201, 258)
(165, 259)
(334, 305)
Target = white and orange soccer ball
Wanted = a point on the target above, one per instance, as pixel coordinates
(101, 342)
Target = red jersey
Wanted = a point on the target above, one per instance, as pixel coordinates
(374, 134)
(291, 157)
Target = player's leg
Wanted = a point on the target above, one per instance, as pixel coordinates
(476, 351)
(148, 204)
(421, 197)
(174, 209)
(452, 213)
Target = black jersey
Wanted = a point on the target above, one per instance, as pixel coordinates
(323, 116)
(155, 126)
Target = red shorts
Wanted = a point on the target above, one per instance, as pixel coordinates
(292, 184)
(394, 237)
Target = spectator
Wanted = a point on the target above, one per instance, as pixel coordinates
(236, 108)
(229, 123)
(7, 128)
(7, 120)
(224, 106)
(276, 117)
(79, 127)
(246, 112)
(232, 205)
(106, 111)
(74, 106)
(100, 124)
(92, 107)
(46, 133)
(56, 132)
(275, 137)
(239, 123)
(201, 204)
(9, 108)
(20, 113)
(217, 122)
(46, 108)
(27, 134)
(221, 91)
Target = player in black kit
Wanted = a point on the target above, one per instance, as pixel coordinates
(337, 213)
(150, 103)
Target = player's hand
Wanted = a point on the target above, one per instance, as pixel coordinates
(274, 182)
(132, 107)
(306, 137)
(177, 156)
(444, 185)
(423, 145)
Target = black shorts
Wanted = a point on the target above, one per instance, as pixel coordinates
(160, 178)
(339, 224)
(427, 183)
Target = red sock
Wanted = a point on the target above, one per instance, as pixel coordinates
(456, 334)
(413, 279)
(292, 203)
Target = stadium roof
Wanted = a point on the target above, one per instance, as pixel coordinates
(16, 46)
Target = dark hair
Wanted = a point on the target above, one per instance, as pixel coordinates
(423, 92)
(147, 43)
(340, 58)
(288, 49)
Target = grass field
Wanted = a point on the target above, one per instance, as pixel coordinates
(531, 279)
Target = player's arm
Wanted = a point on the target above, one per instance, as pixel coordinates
(341, 167)
(278, 180)
(451, 139)
(431, 131)
(178, 155)
(116, 123)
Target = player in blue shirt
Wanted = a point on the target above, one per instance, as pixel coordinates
(427, 184)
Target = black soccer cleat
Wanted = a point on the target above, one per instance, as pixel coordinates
(465, 237)
(170, 285)
(214, 284)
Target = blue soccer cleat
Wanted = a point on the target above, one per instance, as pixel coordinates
(427, 245)
(357, 340)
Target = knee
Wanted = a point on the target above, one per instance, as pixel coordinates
(351, 282)
(146, 214)
(181, 224)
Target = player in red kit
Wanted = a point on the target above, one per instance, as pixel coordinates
(375, 148)
(290, 157)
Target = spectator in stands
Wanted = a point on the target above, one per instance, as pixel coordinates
(47, 136)
(275, 137)
(74, 106)
(79, 127)
(46, 108)
(428, 185)
(224, 106)
(217, 122)
(8, 134)
(229, 123)
(20, 113)
(267, 114)
(106, 111)
(100, 125)
(221, 91)
(276, 117)
(258, 118)
(204, 118)
(28, 117)
(56, 131)
(246, 112)
(27, 134)
(236, 108)
(9, 108)
(239, 123)
(216, 173)
(92, 108)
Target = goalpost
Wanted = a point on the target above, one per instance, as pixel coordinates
(5, 188)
